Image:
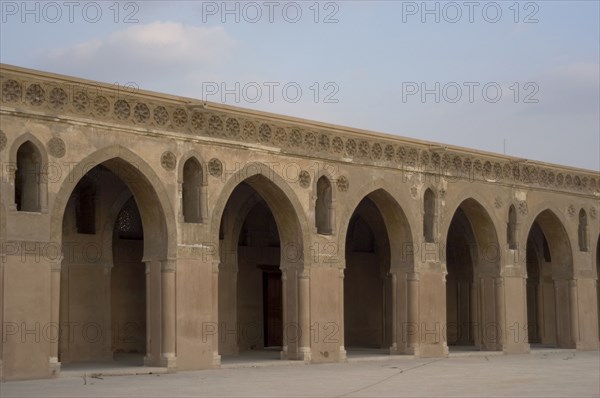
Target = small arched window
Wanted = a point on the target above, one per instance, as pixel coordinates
(28, 178)
(323, 211)
(429, 216)
(192, 183)
(583, 231)
(511, 228)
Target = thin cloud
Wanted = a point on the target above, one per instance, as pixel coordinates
(144, 52)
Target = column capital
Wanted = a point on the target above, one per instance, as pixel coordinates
(56, 266)
(107, 268)
(168, 265)
(573, 282)
(304, 273)
(513, 271)
(413, 276)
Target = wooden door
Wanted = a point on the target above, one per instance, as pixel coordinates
(272, 308)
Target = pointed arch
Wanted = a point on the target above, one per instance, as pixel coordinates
(283, 202)
(511, 228)
(257, 200)
(30, 181)
(473, 304)
(192, 183)
(399, 228)
(551, 306)
(323, 206)
(28, 178)
(379, 293)
(190, 191)
(429, 215)
(154, 204)
(29, 163)
(582, 231)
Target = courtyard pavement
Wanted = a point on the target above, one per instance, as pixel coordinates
(543, 373)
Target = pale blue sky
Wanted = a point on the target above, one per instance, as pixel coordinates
(373, 54)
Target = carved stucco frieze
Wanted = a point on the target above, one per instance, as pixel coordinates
(109, 103)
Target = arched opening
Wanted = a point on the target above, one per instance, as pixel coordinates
(367, 299)
(459, 282)
(260, 245)
(582, 231)
(378, 267)
(128, 288)
(323, 211)
(27, 178)
(473, 265)
(110, 302)
(429, 216)
(549, 270)
(511, 228)
(190, 194)
(533, 281)
(259, 287)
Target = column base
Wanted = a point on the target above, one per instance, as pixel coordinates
(54, 367)
(523, 348)
(432, 351)
(305, 354)
(230, 351)
(587, 345)
(343, 357)
(169, 362)
(491, 347)
(151, 360)
(408, 350)
(216, 360)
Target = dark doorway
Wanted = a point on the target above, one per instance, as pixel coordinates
(367, 291)
(459, 282)
(272, 307)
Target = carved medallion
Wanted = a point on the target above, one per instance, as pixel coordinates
(11, 91)
(168, 161)
(56, 147)
(304, 179)
(35, 95)
(81, 101)
(58, 98)
(141, 113)
(342, 184)
(215, 167)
